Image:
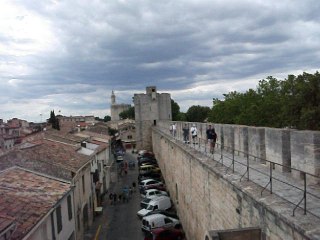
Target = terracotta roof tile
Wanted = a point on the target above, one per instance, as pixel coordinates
(49, 157)
(24, 199)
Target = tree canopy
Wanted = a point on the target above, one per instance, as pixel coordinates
(175, 108)
(293, 102)
(127, 114)
(197, 113)
(54, 121)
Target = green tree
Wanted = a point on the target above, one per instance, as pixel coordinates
(292, 102)
(127, 114)
(112, 131)
(107, 118)
(197, 113)
(175, 111)
(54, 121)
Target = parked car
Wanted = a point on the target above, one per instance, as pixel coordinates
(168, 213)
(149, 182)
(165, 234)
(147, 160)
(159, 187)
(119, 159)
(145, 202)
(145, 154)
(154, 175)
(153, 192)
(161, 202)
(158, 220)
(145, 169)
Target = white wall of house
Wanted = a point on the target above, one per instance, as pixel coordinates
(45, 229)
(82, 194)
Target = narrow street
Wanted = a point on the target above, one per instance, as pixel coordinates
(120, 221)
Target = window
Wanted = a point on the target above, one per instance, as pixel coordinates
(83, 185)
(167, 220)
(78, 217)
(71, 236)
(59, 219)
(69, 207)
(53, 231)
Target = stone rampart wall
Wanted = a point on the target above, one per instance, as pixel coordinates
(208, 199)
(285, 147)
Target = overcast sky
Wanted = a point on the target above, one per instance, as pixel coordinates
(70, 55)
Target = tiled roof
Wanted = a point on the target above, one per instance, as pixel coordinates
(5, 222)
(49, 157)
(64, 137)
(27, 197)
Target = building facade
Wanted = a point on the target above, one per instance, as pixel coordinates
(35, 206)
(150, 107)
(116, 109)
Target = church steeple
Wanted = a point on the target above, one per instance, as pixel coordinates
(113, 98)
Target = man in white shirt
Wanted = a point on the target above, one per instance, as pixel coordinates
(194, 133)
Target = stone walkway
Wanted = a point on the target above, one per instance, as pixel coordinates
(283, 184)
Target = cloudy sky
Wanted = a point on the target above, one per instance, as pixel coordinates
(69, 55)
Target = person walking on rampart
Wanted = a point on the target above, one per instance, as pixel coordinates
(194, 133)
(185, 130)
(211, 137)
(174, 130)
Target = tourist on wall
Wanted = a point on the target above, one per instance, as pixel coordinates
(185, 130)
(211, 137)
(174, 130)
(194, 133)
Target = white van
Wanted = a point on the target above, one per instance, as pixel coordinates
(158, 220)
(159, 203)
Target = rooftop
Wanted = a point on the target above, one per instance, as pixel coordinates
(46, 156)
(26, 197)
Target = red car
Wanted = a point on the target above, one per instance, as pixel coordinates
(165, 234)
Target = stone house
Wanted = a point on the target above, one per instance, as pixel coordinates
(59, 160)
(35, 206)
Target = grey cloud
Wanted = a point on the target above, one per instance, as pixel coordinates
(175, 45)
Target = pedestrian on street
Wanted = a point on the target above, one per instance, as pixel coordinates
(110, 198)
(126, 167)
(115, 198)
(134, 186)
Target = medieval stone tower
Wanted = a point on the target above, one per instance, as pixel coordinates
(149, 108)
(116, 109)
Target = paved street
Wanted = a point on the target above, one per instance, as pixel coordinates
(120, 221)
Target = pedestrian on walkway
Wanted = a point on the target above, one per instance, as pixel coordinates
(110, 198)
(126, 167)
(115, 199)
(174, 130)
(211, 138)
(134, 186)
(194, 133)
(185, 130)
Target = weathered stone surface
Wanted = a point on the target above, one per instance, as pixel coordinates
(207, 198)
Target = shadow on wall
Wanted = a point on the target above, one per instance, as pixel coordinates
(236, 234)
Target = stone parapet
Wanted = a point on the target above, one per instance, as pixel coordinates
(206, 197)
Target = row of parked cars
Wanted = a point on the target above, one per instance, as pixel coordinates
(159, 220)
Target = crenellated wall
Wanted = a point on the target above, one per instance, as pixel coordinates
(207, 198)
(291, 148)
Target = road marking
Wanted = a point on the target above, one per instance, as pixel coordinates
(97, 233)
